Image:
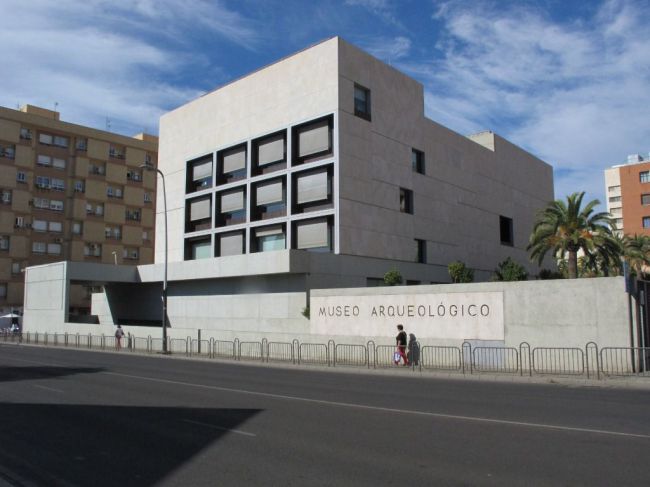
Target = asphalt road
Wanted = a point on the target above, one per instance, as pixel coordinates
(71, 417)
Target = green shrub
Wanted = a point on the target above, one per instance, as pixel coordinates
(509, 270)
(393, 278)
(459, 272)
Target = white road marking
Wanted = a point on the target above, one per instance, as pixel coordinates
(214, 426)
(48, 388)
(389, 410)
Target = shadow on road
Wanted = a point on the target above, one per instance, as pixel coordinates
(10, 374)
(58, 444)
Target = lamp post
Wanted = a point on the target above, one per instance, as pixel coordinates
(149, 167)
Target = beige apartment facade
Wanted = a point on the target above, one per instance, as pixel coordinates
(73, 193)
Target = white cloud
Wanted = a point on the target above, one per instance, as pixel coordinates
(388, 50)
(125, 67)
(574, 94)
(381, 8)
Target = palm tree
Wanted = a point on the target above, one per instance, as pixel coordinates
(636, 251)
(565, 228)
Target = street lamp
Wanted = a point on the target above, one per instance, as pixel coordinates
(149, 167)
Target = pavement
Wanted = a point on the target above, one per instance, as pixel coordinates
(78, 417)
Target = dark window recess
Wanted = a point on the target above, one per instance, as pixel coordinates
(421, 249)
(312, 190)
(505, 228)
(199, 174)
(269, 153)
(312, 140)
(231, 164)
(198, 248)
(362, 102)
(198, 214)
(269, 200)
(406, 201)
(417, 161)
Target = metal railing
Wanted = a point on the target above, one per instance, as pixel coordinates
(590, 361)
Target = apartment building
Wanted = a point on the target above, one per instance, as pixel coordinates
(628, 195)
(73, 193)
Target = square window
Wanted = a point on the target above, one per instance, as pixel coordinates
(269, 153)
(406, 201)
(268, 238)
(645, 199)
(199, 174)
(646, 222)
(362, 102)
(417, 161)
(313, 140)
(644, 176)
(230, 244)
(505, 228)
(313, 235)
(200, 248)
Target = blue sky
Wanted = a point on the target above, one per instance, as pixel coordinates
(568, 80)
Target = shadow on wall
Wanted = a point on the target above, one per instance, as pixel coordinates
(105, 445)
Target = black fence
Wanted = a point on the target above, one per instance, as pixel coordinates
(590, 361)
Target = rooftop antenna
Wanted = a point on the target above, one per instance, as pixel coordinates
(56, 105)
(108, 124)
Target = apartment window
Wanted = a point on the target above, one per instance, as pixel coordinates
(230, 244)
(93, 250)
(58, 184)
(406, 201)
(25, 134)
(95, 168)
(77, 228)
(6, 196)
(312, 140)
(199, 174)
(313, 235)
(645, 199)
(421, 251)
(269, 238)
(644, 176)
(15, 268)
(133, 215)
(417, 161)
(81, 144)
(614, 199)
(134, 175)
(42, 203)
(613, 189)
(130, 254)
(58, 163)
(43, 160)
(54, 248)
(116, 152)
(113, 232)
(79, 186)
(505, 227)
(60, 141)
(112, 192)
(618, 223)
(21, 177)
(145, 235)
(19, 222)
(147, 197)
(646, 222)
(269, 199)
(109, 191)
(56, 227)
(39, 225)
(3, 290)
(39, 247)
(56, 205)
(42, 182)
(4, 242)
(99, 210)
(45, 139)
(361, 102)
(8, 151)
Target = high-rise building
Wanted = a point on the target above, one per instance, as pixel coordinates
(70, 192)
(628, 195)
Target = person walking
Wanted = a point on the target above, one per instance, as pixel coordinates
(119, 333)
(400, 340)
(413, 350)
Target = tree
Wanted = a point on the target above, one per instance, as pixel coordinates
(565, 228)
(636, 251)
(509, 270)
(393, 278)
(459, 272)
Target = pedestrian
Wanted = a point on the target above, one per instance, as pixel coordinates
(400, 341)
(119, 333)
(413, 350)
